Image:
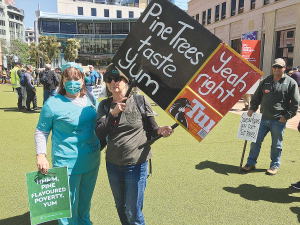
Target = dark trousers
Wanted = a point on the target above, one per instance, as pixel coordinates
(3, 80)
(20, 96)
(31, 97)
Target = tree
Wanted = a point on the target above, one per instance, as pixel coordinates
(15, 48)
(49, 48)
(71, 51)
(34, 53)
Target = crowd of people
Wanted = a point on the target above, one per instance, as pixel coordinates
(81, 127)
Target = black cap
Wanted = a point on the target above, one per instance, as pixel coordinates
(113, 71)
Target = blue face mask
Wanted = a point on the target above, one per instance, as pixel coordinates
(73, 86)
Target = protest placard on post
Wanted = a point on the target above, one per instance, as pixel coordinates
(48, 195)
(99, 91)
(249, 126)
(184, 68)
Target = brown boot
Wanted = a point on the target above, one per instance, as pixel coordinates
(248, 168)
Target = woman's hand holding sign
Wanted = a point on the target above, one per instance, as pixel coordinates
(42, 163)
(165, 131)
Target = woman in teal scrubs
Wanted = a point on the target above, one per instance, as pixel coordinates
(71, 116)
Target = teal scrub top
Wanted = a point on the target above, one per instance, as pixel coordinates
(74, 142)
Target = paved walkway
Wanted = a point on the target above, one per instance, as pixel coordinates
(292, 123)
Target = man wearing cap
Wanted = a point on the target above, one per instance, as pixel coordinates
(278, 97)
(94, 76)
(51, 82)
(296, 76)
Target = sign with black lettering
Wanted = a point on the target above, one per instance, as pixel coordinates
(99, 91)
(49, 195)
(249, 127)
(164, 50)
(184, 68)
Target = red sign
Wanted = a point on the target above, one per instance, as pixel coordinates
(219, 83)
(251, 51)
(193, 114)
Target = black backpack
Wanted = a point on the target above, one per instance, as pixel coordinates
(46, 79)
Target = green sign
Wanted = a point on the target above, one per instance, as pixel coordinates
(49, 195)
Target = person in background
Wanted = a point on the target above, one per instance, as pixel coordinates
(278, 97)
(126, 165)
(24, 91)
(99, 77)
(4, 75)
(50, 86)
(15, 82)
(291, 72)
(58, 73)
(296, 77)
(30, 89)
(88, 82)
(94, 76)
(71, 116)
(37, 77)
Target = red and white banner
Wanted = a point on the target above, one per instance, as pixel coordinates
(251, 51)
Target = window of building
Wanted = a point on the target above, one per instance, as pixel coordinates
(233, 7)
(252, 4)
(2, 12)
(223, 13)
(119, 14)
(102, 28)
(237, 45)
(80, 10)
(241, 6)
(131, 14)
(266, 2)
(285, 43)
(197, 17)
(208, 16)
(50, 26)
(120, 28)
(85, 28)
(203, 17)
(93, 12)
(290, 34)
(217, 13)
(11, 24)
(100, 1)
(106, 12)
(2, 22)
(3, 32)
(68, 27)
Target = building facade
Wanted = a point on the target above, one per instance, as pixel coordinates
(102, 8)
(11, 23)
(100, 37)
(29, 35)
(275, 22)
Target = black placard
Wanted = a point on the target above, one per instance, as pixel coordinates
(164, 50)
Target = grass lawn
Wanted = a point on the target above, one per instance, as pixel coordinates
(192, 183)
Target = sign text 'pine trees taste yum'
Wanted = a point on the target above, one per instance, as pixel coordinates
(184, 68)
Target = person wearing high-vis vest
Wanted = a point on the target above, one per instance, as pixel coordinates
(15, 82)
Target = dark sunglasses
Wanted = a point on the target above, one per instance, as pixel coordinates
(277, 67)
(115, 79)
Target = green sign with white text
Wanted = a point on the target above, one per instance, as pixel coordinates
(49, 195)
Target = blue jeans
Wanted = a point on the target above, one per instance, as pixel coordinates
(128, 185)
(48, 94)
(276, 128)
